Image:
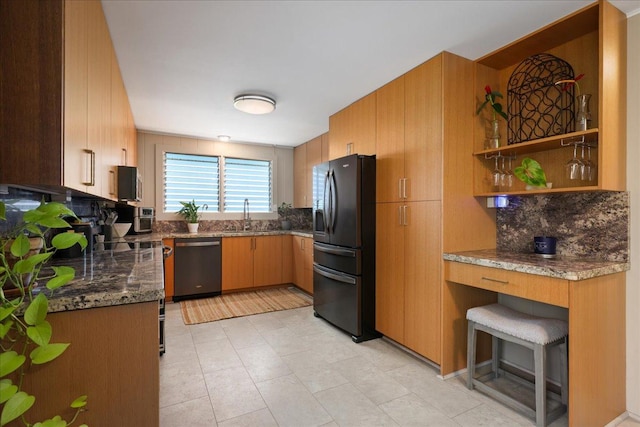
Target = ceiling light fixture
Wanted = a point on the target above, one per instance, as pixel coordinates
(224, 138)
(254, 104)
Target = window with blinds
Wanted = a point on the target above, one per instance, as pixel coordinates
(191, 177)
(247, 179)
(197, 177)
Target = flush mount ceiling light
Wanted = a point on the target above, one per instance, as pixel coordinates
(254, 104)
(224, 138)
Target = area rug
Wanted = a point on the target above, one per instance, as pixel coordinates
(242, 304)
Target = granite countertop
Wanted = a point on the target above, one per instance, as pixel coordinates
(561, 267)
(123, 273)
(155, 237)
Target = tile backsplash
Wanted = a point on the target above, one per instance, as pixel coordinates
(590, 224)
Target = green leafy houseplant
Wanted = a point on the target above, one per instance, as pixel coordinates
(490, 99)
(531, 173)
(189, 211)
(25, 335)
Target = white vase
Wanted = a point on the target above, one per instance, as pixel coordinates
(193, 227)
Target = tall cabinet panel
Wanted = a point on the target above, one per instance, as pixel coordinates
(423, 125)
(353, 129)
(305, 157)
(76, 53)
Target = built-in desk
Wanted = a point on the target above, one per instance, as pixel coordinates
(594, 293)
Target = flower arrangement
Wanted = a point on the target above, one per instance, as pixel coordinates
(571, 82)
(490, 99)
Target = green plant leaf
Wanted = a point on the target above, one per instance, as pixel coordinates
(20, 246)
(66, 240)
(47, 353)
(10, 361)
(6, 311)
(79, 402)
(3, 211)
(40, 333)
(530, 172)
(5, 327)
(7, 389)
(63, 275)
(55, 209)
(16, 406)
(27, 265)
(56, 421)
(36, 312)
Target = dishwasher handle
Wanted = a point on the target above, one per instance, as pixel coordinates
(200, 244)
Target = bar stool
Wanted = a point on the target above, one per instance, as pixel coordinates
(535, 333)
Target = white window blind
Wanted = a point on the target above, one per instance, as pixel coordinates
(247, 179)
(191, 177)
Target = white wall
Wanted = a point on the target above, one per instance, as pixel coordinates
(633, 185)
(151, 144)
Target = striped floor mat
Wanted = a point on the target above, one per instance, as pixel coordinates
(242, 304)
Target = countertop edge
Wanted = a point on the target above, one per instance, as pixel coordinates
(159, 236)
(539, 266)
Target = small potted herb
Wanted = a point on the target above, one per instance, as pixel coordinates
(284, 210)
(189, 212)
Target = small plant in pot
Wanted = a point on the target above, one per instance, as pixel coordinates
(284, 211)
(25, 332)
(532, 174)
(189, 212)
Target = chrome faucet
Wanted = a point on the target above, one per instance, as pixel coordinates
(246, 218)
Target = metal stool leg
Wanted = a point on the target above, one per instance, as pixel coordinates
(564, 375)
(539, 355)
(471, 354)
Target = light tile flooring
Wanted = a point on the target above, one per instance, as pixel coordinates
(289, 368)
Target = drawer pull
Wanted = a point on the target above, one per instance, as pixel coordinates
(504, 282)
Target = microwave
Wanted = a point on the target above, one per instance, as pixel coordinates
(129, 184)
(141, 219)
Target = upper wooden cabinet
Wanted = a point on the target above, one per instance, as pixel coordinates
(593, 41)
(305, 157)
(68, 105)
(353, 129)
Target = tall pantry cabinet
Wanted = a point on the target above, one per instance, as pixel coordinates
(424, 201)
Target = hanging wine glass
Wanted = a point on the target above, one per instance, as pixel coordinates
(573, 167)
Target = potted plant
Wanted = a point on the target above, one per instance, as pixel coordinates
(532, 174)
(189, 212)
(25, 333)
(284, 210)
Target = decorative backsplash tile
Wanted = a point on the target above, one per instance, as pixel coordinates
(592, 225)
(300, 220)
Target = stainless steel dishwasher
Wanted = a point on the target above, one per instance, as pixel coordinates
(198, 267)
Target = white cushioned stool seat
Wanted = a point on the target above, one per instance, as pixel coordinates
(539, 330)
(535, 333)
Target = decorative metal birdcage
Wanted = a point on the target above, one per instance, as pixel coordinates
(536, 106)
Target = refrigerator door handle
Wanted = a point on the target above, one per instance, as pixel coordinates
(334, 251)
(333, 276)
(325, 201)
(334, 200)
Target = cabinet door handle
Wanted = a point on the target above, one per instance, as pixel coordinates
(400, 188)
(404, 188)
(92, 168)
(302, 244)
(400, 215)
(489, 279)
(112, 182)
(124, 157)
(404, 216)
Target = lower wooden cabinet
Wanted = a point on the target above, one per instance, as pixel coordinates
(303, 263)
(249, 262)
(408, 263)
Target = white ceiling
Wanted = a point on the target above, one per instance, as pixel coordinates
(183, 62)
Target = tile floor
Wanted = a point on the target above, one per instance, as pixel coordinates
(289, 368)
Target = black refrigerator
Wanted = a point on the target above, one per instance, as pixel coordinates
(344, 234)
